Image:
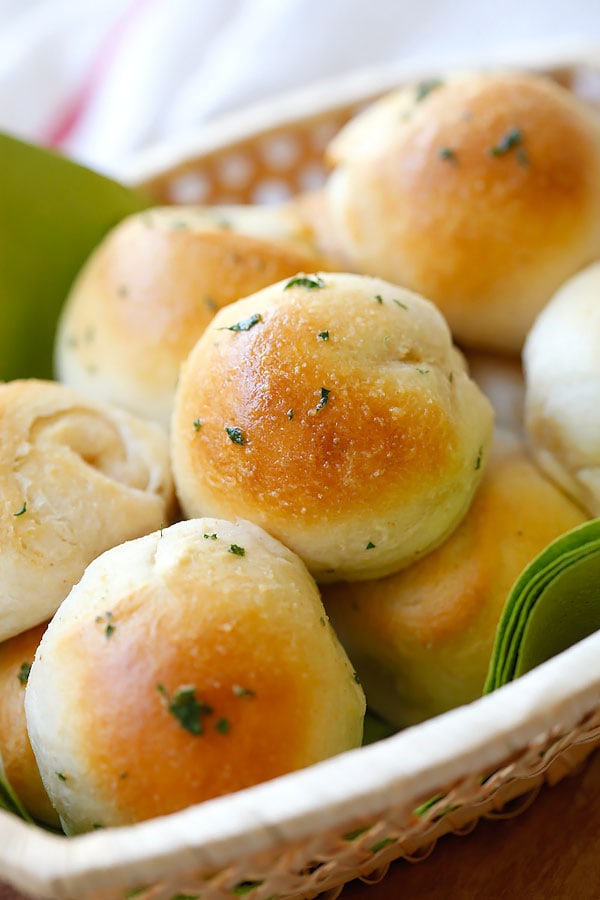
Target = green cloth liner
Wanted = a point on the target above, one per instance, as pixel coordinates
(53, 212)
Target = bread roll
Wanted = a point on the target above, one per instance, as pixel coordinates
(150, 289)
(333, 411)
(421, 640)
(190, 663)
(20, 767)
(562, 400)
(76, 477)
(481, 192)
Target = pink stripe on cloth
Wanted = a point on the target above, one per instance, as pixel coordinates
(74, 110)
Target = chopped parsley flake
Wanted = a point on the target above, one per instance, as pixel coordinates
(222, 726)
(186, 708)
(512, 138)
(237, 551)
(210, 537)
(322, 620)
(479, 458)
(24, 671)
(61, 776)
(197, 424)
(244, 887)
(236, 435)
(447, 153)
(422, 371)
(323, 335)
(324, 399)
(246, 324)
(400, 304)
(240, 691)
(109, 629)
(290, 414)
(370, 545)
(22, 511)
(451, 377)
(379, 298)
(311, 283)
(424, 88)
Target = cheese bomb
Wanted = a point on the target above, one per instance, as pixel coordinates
(187, 664)
(76, 477)
(562, 395)
(480, 191)
(421, 640)
(152, 286)
(16, 755)
(334, 411)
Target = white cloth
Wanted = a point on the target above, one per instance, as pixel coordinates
(102, 79)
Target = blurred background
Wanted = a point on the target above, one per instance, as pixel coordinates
(102, 80)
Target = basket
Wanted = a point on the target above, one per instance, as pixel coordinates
(312, 831)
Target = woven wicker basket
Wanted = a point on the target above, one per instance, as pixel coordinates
(314, 830)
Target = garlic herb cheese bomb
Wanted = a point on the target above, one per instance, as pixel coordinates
(562, 398)
(480, 191)
(152, 286)
(421, 640)
(333, 411)
(76, 477)
(187, 664)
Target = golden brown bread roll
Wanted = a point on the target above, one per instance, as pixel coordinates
(421, 640)
(187, 664)
(333, 411)
(152, 286)
(562, 401)
(481, 192)
(20, 767)
(76, 477)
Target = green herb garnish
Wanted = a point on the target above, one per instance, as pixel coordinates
(22, 510)
(237, 551)
(379, 298)
(424, 88)
(61, 776)
(479, 458)
(222, 726)
(24, 671)
(240, 691)
(197, 424)
(186, 708)
(447, 153)
(323, 335)
(400, 304)
(236, 435)
(422, 371)
(324, 399)
(290, 414)
(210, 537)
(311, 283)
(370, 545)
(109, 630)
(245, 324)
(512, 138)
(244, 887)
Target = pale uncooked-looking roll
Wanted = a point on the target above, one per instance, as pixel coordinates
(334, 411)
(76, 477)
(16, 755)
(421, 640)
(562, 400)
(152, 286)
(187, 664)
(480, 191)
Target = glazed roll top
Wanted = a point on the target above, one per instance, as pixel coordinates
(152, 286)
(421, 640)
(16, 755)
(190, 663)
(480, 191)
(76, 477)
(334, 411)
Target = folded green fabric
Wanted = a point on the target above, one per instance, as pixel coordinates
(53, 212)
(554, 603)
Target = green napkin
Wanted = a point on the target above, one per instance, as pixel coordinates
(554, 603)
(52, 214)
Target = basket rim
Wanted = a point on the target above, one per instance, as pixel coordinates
(399, 770)
(325, 95)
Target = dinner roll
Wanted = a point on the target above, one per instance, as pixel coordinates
(187, 664)
(20, 767)
(333, 411)
(562, 400)
(481, 192)
(76, 477)
(153, 285)
(421, 639)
